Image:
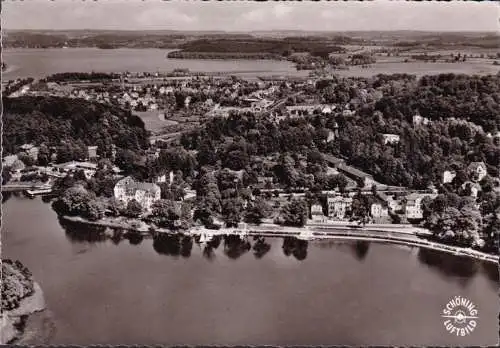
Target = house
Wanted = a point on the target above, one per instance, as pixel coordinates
(317, 213)
(326, 109)
(187, 101)
(420, 120)
(413, 207)
(348, 113)
(379, 210)
(448, 176)
(92, 153)
(357, 175)
(392, 203)
(390, 138)
(30, 150)
(331, 136)
(333, 161)
(9, 160)
(474, 188)
(161, 178)
(477, 171)
(128, 189)
(298, 110)
(338, 207)
(265, 181)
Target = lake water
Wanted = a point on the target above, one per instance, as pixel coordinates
(128, 291)
(38, 63)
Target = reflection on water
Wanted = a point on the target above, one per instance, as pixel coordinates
(260, 248)
(451, 266)
(295, 247)
(77, 232)
(491, 270)
(235, 247)
(181, 245)
(360, 248)
(6, 196)
(134, 238)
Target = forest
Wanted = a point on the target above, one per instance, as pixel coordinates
(73, 123)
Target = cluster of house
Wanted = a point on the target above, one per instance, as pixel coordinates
(476, 172)
(339, 207)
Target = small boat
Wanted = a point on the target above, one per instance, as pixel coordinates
(38, 191)
(205, 237)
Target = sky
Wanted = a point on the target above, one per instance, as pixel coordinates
(251, 16)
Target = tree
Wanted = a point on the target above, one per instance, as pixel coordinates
(6, 175)
(43, 155)
(257, 211)
(27, 160)
(73, 201)
(232, 210)
(294, 213)
(126, 160)
(134, 209)
(79, 175)
(360, 209)
(179, 100)
(93, 210)
(116, 207)
(166, 213)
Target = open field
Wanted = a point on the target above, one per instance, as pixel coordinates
(420, 68)
(152, 120)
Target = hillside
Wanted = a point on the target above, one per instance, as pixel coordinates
(53, 120)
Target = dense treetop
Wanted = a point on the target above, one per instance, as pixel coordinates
(54, 120)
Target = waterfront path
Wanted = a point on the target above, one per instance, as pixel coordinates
(399, 234)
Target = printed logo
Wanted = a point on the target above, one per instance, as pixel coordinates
(460, 316)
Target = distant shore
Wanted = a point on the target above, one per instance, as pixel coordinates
(223, 55)
(367, 233)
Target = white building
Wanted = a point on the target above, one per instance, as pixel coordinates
(477, 171)
(338, 207)
(413, 208)
(128, 189)
(317, 213)
(448, 176)
(390, 138)
(420, 120)
(379, 210)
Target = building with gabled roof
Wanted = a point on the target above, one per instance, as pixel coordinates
(145, 193)
(477, 170)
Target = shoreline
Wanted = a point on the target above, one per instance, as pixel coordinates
(393, 236)
(10, 332)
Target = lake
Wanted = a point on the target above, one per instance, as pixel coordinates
(37, 63)
(115, 290)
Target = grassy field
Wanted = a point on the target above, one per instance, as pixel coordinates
(153, 122)
(478, 67)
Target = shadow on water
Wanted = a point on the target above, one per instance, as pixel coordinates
(296, 247)
(453, 266)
